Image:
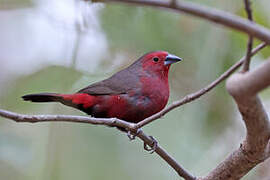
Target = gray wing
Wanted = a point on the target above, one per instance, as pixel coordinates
(120, 83)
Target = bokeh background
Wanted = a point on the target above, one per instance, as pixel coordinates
(64, 45)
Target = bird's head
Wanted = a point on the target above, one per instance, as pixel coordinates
(158, 62)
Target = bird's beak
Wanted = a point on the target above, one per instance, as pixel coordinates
(170, 59)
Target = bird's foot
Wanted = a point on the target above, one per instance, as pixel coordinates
(132, 136)
(153, 146)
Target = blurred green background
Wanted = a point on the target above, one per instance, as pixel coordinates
(64, 45)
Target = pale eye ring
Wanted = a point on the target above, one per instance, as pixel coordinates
(155, 59)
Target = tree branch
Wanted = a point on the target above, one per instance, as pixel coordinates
(101, 121)
(211, 14)
(248, 9)
(250, 38)
(255, 148)
(170, 160)
(66, 118)
(196, 95)
(249, 84)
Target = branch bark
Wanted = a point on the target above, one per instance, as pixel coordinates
(256, 146)
(200, 11)
(101, 121)
(250, 37)
(242, 86)
(65, 118)
(170, 160)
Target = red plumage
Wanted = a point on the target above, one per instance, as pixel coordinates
(133, 94)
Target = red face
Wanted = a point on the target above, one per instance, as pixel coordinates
(159, 62)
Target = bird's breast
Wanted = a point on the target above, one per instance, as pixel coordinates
(157, 90)
(136, 105)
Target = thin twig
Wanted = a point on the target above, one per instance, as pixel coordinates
(164, 155)
(248, 9)
(250, 38)
(65, 118)
(248, 54)
(196, 95)
(100, 121)
(207, 13)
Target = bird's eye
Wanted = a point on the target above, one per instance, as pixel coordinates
(155, 59)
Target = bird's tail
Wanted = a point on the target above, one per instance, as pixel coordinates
(43, 97)
(80, 101)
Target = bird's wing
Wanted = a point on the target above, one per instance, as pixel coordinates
(120, 83)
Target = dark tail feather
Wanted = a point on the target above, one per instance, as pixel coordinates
(42, 97)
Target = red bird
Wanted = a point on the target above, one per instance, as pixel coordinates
(133, 94)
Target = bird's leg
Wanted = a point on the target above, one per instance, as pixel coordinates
(132, 136)
(153, 146)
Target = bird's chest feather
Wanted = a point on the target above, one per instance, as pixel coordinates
(156, 89)
(151, 98)
(136, 105)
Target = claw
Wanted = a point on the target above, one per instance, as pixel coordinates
(153, 147)
(130, 136)
(133, 136)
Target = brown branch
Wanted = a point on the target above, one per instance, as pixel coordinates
(248, 9)
(100, 121)
(65, 118)
(170, 160)
(196, 95)
(250, 38)
(248, 54)
(211, 14)
(250, 83)
(255, 148)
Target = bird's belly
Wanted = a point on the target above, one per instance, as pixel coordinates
(131, 108)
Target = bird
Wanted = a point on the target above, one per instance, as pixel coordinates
(132, 94)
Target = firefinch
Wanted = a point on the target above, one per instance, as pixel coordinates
(132, 94)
